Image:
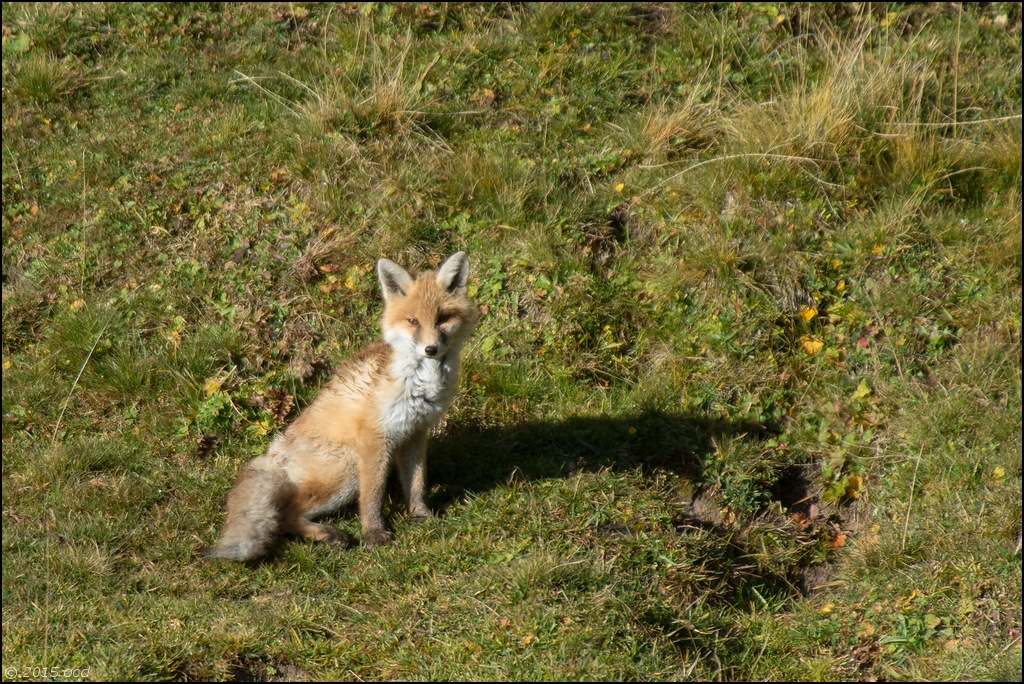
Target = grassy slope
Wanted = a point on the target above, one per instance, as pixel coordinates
(745, 401)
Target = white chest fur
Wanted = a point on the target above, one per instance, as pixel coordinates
(427, 388)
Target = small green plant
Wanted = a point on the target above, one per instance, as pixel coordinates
(913, 634)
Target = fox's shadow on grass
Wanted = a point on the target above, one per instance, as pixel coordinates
(468, 459)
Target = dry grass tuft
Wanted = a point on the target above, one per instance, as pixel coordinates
(669, 130)
(374, 96)
(43, 78)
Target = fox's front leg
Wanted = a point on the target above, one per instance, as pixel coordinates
(412, 470)
(373, 476)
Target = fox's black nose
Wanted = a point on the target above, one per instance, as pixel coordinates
(431, 350)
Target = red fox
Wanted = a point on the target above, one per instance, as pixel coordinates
(376, 411)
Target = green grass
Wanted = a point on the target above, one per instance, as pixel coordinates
(744, 403)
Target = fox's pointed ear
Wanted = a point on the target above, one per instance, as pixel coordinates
(394, 279)
(454, 272)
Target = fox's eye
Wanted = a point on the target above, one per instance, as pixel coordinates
(412, 321)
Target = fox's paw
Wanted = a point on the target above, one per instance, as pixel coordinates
(377, 538)
(235, 552)
(420, 513)
(335, 537)
(325, 534)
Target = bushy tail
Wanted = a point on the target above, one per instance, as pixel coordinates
(255, 508)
